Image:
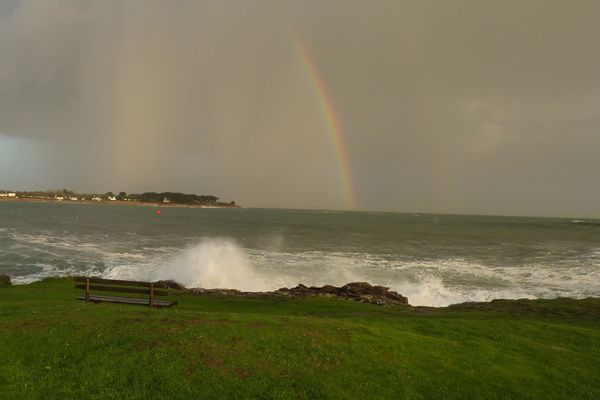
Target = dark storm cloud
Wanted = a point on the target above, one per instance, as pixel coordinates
(463, 106)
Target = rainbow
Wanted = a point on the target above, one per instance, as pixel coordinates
(331, 119)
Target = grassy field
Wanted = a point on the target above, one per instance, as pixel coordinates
(55, 347)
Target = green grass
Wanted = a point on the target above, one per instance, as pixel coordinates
(55, 347)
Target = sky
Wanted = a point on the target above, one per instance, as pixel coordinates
(478, 107)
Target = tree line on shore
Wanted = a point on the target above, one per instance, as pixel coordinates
(146, 197)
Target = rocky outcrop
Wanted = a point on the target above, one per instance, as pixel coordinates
(5, 280)
(357, 291)
(172, 284)
(227, 292)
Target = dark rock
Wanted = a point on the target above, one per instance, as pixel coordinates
(172, 284)
(219, 292)
(5, 280)
(357, 291)
(367, 293)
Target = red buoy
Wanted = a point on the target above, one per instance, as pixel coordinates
(157, 212)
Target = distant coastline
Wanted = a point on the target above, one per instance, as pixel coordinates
(116, 203)
(147, 199)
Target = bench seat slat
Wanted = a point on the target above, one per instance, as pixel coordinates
(122, 289)
(128, 300)
(122, 282)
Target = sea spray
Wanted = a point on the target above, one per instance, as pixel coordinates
(213, 263)
(223, 263)
(431, 291)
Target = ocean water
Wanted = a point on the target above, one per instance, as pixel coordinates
(435, 260)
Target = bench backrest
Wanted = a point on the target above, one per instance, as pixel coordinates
(116, 285)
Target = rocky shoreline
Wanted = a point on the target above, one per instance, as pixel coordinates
(363, 292)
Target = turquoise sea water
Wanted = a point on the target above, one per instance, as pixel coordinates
(432, 259)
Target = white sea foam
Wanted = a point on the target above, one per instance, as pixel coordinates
(224, 263)
(512, 260)
(212, 263)
(52, 271)
(221, 263)
(431, 291)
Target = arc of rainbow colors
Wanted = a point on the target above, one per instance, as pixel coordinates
(331, 119)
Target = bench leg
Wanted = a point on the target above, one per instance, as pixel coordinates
(151, 300)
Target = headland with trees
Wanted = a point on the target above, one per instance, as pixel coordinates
(165, 199)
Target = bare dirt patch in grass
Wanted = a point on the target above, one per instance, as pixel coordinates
(149, 344)
(35, 324)
(136, 320)
(193, 322)
(213, 362)
(242, 373)
(259, 325)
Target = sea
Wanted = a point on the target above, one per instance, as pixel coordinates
(434, 260)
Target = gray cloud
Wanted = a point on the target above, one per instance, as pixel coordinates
(463, 106)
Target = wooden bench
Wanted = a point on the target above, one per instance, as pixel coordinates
(114, 285)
